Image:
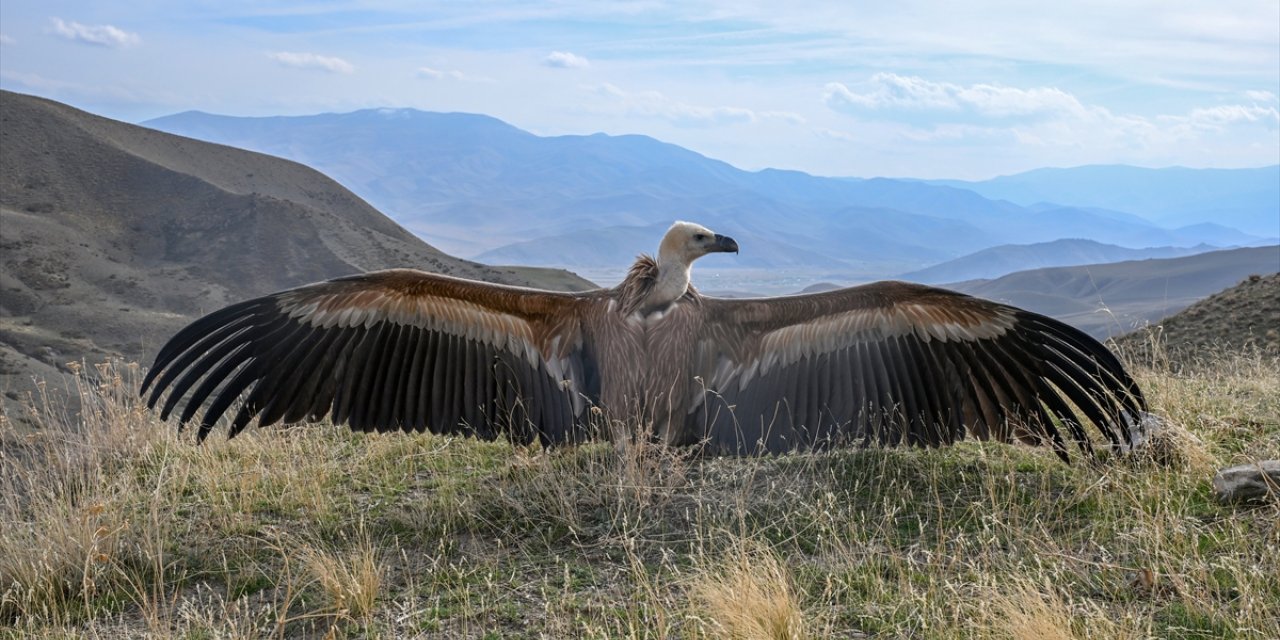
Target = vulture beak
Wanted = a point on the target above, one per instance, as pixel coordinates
(725, 244)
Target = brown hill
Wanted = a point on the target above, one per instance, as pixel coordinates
(112, 236)
(1112, 299)
(1241, 317)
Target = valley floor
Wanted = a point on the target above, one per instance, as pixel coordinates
(116, 526)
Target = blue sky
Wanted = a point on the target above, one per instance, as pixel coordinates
(922, 89)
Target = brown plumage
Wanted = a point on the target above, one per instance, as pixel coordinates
(888, 363)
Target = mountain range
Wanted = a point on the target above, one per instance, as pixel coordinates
(1245, 199)
(1009, 258)
(476, 186)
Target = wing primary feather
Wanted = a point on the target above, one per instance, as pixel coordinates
(298, 389)
(363, 378)
(806, 403)
(1020, 380)
(1074, 381)
(449, 404)
(183, 359)
(439, 383)
(431, 344)
(485, 375)
(214, 378)
(883, 411)
(193, 333)
(915, 392)
(381, 390)
(391, 411)
(957, 402)
(469, 377)
(279, 380)
(413, 398)
(1124, 386)
(967, 409)
(929, 388)
(328, 370)
(1031, 416)
(254, 370)
(548, 411)
(867, 378)
(843, 396)
(347, 373)
(824, 398)
(989, 403)
(1008, 402)
(207, 361)
(205, 366)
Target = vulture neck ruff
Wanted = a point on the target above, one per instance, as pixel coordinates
(651, 288)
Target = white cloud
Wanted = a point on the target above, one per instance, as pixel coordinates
(437, 74)
(653, 104)
(1046, 123)
(892, 91)
(1261, 96)
(832, 134)
(785, 116)
(312, 61)
(565, 60)
(5, 39)
(102, 35)
(1230, 114)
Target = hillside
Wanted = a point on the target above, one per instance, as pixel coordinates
(1112, 299)
(478, 185)
(1246, 199)
(1005, 259)
(115, 235)
(1246, 315)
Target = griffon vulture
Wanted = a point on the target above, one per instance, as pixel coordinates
(888, 363)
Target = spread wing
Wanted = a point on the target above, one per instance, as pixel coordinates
(898, 363)
(397, 349)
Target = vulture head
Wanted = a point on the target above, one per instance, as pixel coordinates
(686, 242)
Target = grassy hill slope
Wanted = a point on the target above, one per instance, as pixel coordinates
(1242, 317)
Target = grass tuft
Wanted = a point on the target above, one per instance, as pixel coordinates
(748, 593)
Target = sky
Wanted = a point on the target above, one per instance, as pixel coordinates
(912, 88)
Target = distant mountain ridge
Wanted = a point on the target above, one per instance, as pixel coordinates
(1005, 259)
(115, 235)
(477, 186)
(1245, 199)
(1113, 299)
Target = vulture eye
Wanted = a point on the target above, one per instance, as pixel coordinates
(699, 236)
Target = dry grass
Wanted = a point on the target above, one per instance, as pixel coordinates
(113, 525)
(748, 594)
(351, 578)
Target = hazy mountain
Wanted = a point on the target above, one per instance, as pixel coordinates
(1006, 259)
(1112, 299)
(1245, 199)
(473, 184)
(115, 235)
